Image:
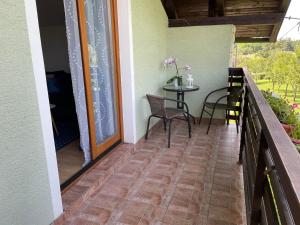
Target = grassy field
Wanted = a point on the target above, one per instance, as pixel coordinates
(267, 85)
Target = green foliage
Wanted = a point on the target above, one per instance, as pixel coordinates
(256, 64)
(279, 62)
(284, 112)
(265, 48)
(281, 108)
(297, 51)
(179, 79)
(296, 132)
(298, 148)
(284, 68)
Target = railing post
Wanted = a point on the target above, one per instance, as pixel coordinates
(259, 182)
(243, 131)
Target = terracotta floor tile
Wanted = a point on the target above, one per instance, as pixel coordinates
(106, 201)
(80, 221)
(121, 181)
(195, 182)
(182, 193)
(228, 215)
(219, 222)
(115, 191)
(221, 200)
(128, 220)
(175, 217)
(149, 197)
(158, 178)
(101, 215)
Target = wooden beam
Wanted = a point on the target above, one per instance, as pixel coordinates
(270, 18)
(212, 6)
(283, 9)
(215, 8)
(170, 9)
(220, 7)
(251, 40)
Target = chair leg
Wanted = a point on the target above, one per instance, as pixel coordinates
(201, 114)
(187, 117)
(169, 136)
(194, 120)
(210, 120)
(165, 124)
(227, 116)
(189, 124)
(236, 122)
(148, 124)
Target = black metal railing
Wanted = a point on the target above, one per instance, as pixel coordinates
(271, 163)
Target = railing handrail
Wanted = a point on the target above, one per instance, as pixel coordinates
(284, 153)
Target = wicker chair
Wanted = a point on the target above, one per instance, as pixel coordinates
(167, 114)
(233, 97)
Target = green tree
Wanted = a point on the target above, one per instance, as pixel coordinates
(270, 74)
(297, 51)
(296, 80)
(255, 64)
(284, 67)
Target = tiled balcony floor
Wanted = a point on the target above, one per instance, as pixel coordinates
(195, 182)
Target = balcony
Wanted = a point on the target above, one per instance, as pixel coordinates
(198, 180)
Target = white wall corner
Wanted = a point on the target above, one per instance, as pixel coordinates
(232, 53)
(127, 70)
(43, 103)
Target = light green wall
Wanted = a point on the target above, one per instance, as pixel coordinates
(149, 24)
(207, 49)
(24, 186)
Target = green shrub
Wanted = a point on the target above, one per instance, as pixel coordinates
(298, 148)
(296, 131)
(284, 112)
(281, 108)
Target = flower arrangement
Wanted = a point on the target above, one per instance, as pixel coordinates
(172, 61)
(294, 106)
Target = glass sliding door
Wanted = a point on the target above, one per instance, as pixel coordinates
(98, 33)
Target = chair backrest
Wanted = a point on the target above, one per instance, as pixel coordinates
(157, 104)
(235, 96)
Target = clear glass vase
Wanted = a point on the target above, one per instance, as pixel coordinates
(176, 83)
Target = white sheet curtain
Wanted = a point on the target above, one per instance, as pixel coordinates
(101, 68)
(76, 69)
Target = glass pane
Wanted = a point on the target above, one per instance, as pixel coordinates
(101, 67)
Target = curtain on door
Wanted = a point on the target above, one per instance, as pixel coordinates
(76, 69)
(101, 69)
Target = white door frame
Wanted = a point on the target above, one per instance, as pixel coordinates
(127, 70)
(43, 104)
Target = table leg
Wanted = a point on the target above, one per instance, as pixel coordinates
(180, 97)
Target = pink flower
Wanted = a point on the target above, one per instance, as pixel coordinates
(170, 61)
(294, 106)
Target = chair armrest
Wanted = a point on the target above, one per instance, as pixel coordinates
(178, 101)
(209, 94)
(219, 99)
(222, 97)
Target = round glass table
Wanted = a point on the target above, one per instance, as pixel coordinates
(180, 90)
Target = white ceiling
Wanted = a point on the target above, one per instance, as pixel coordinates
(51, 12)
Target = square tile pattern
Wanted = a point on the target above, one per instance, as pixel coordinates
(195, 182)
